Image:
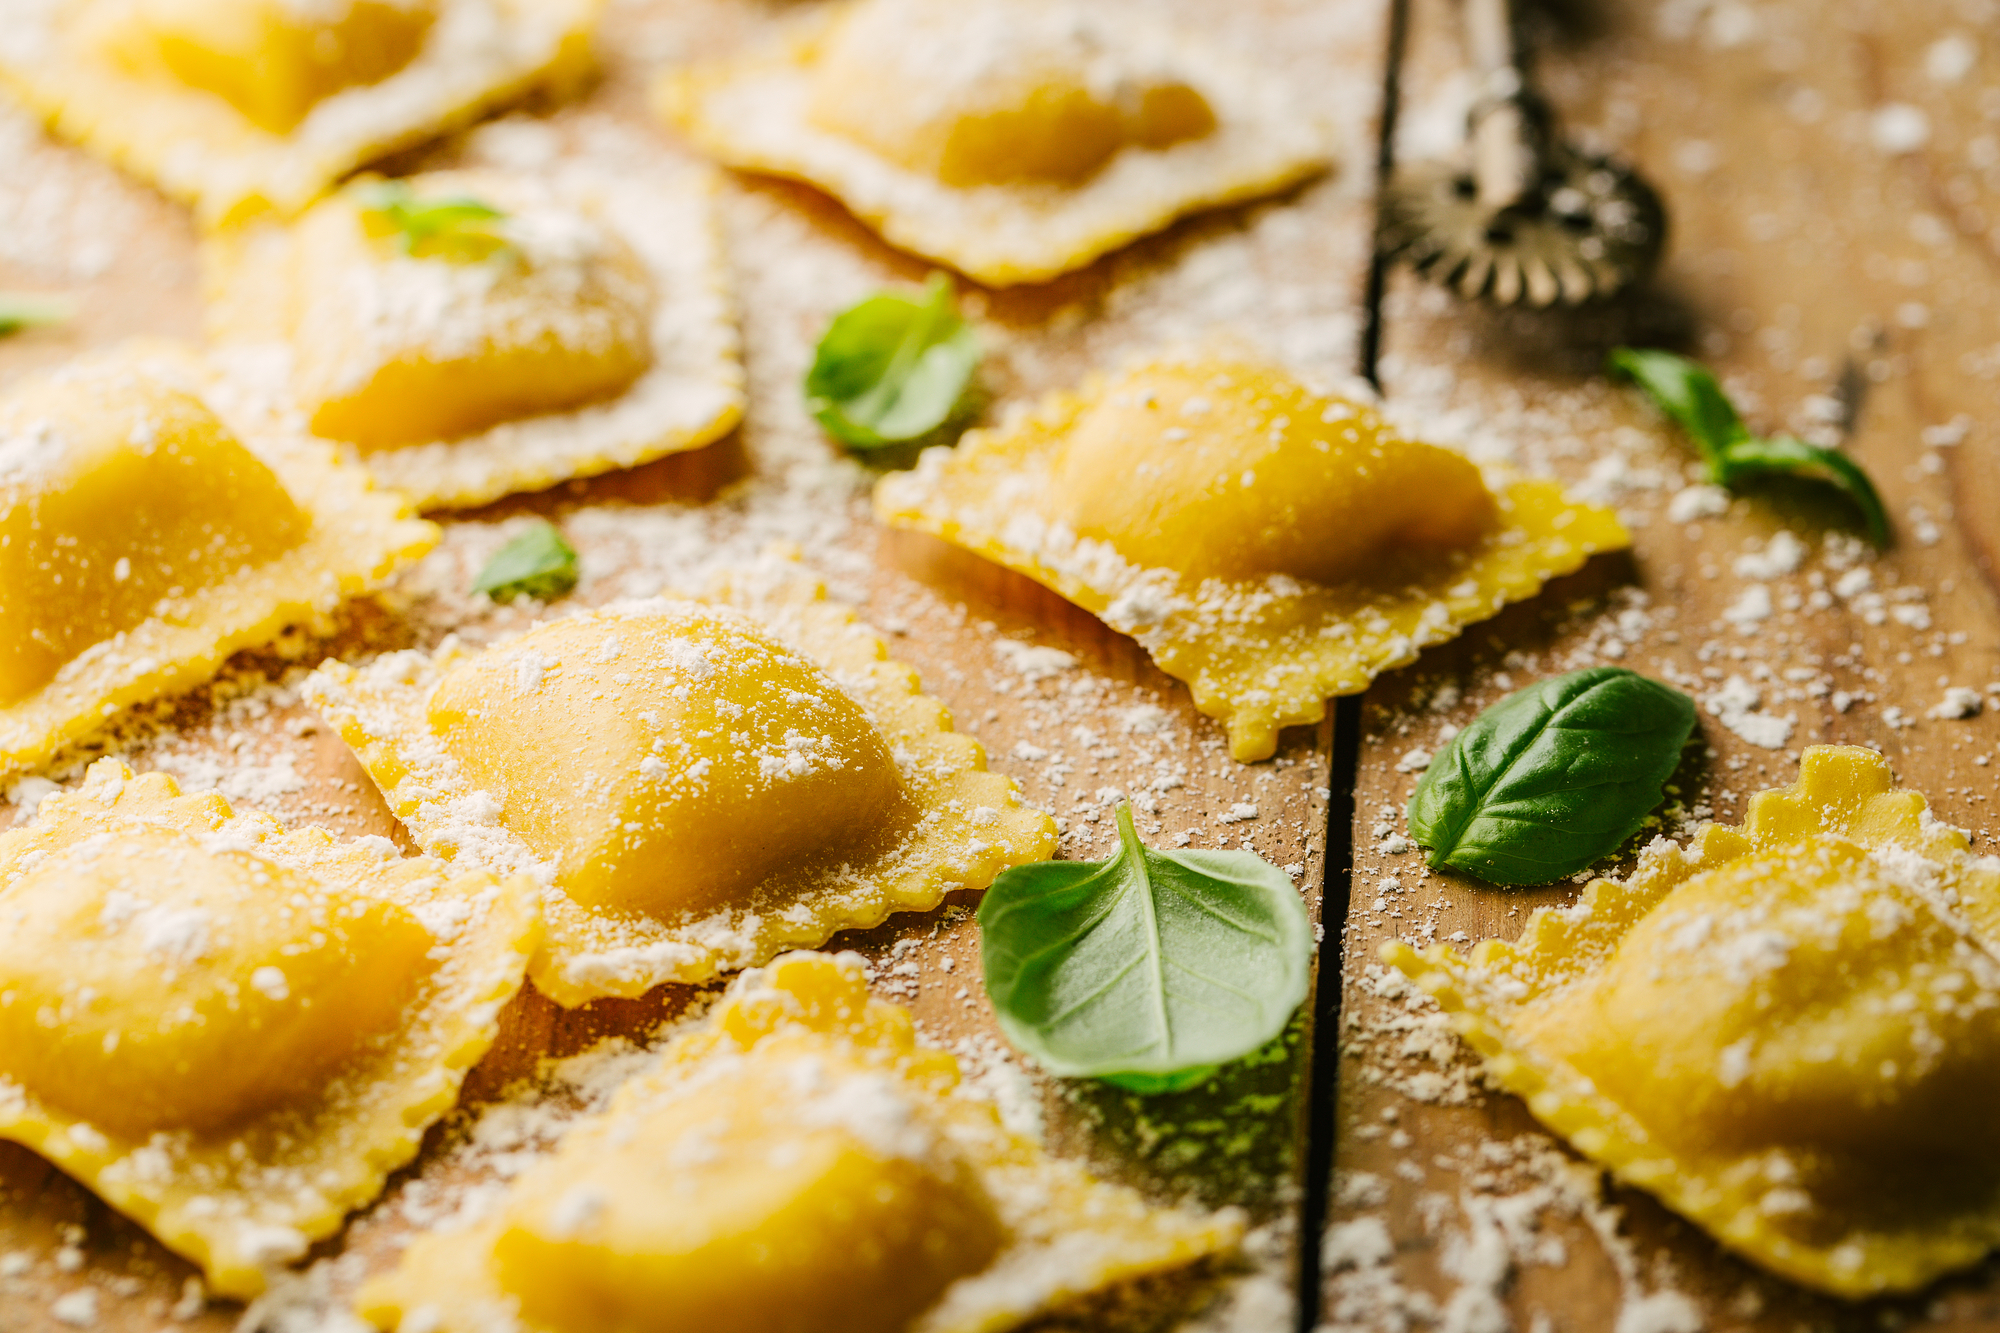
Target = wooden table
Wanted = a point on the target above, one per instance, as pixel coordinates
(1842, 284)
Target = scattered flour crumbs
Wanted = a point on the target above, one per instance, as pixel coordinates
(1494, 1224)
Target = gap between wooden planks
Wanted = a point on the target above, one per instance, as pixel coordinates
(1289, 272)
(1831, 280)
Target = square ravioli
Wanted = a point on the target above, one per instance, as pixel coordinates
(700, 785)
(1789, 1031)
(1024, 138)
(799, 1162)
(1267, 544)
(231, 1033)
(146, 533)
(244, 106)
(584, 324)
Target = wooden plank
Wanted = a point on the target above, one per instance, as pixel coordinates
(1830, 281)
(1081, 717)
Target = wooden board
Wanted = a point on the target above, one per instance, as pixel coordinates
(1075, 712)
(1841, 288)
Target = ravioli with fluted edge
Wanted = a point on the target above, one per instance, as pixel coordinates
(1023, 138)
(700, 785)
(1788, 1031)
(586, 327)
(243, 106)
(232, 1033)
(799, 1161)
(144, 538)
(1267, 544)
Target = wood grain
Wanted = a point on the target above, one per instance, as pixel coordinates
(1837, 287)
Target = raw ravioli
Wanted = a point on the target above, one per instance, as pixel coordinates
(1788, 1031)
(699, 788)
(593, 330)
(231, 1033)
(1267, 544)
(800, 1162)
(144, 538)
(244, 106)
(1019, 139)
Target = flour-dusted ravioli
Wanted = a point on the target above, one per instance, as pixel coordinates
(143, 539)
(586, 327)
(700, 788)
(1267, 544)
(229, 1032)
(1011, 139)
(1788, 1031)
(242, 106)
(799, 1162)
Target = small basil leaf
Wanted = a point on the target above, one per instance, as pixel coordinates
(1552, 777)
(1148, 970)
(1782, 455)
(19, 312)
(538, 563)
(892, 368)
(453, 227)
(1688, 393)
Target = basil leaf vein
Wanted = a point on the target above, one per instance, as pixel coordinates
(1149, 969)
(537, 563)
(1553, 777)
(1690, 395)
(892, 368)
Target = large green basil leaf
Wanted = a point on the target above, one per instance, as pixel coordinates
(1552, 777)
(893, 368)
(1148, 970)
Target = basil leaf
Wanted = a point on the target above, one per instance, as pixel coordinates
(892, 368)
(1688, 393)
(452, 227)
(538, 563)
(19, 312)
(1552, 777)
(1782, 455)
(1148, 970)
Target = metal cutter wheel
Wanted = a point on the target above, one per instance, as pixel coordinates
(1528, 217)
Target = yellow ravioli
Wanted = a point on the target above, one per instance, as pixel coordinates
(241, 106)
(1018, 140)
(231, 1033)
(798, 1163)
(143, 539)
(699, 788)
(1788, 1031)
(601, 335)
(1267, 544)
